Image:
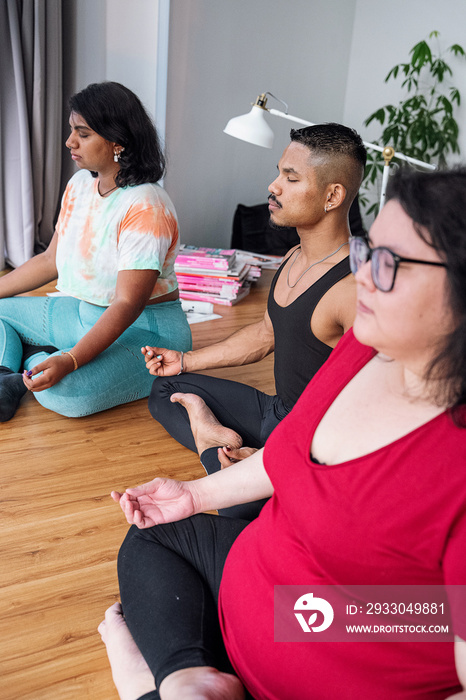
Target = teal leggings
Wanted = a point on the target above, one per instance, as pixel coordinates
(116, 376)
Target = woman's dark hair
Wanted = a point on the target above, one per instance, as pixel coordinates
(117, 114)
(435, 201)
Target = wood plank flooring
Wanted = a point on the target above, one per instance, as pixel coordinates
(60, 531)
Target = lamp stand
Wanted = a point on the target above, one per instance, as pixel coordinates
(253, 128)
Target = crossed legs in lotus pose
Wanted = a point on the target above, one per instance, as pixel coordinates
(133, 678)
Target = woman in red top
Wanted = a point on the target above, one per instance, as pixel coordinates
(367, 477)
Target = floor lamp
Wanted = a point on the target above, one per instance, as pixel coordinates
(252, 127)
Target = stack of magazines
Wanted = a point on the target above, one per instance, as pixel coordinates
(214, 275)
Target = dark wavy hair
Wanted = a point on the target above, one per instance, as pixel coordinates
(435, 201)
(117, 114)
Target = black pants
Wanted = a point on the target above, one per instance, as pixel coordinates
(169, 579)
(247, 411)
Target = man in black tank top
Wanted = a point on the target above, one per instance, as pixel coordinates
(311, 304)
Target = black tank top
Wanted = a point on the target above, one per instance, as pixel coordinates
(298, 353)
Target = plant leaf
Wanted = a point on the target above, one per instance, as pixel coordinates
(422, 124)
(457, 50)
(421, 54)
(379, 115)
(455, 95)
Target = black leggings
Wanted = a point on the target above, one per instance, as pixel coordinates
(169, 579)
(247, 411)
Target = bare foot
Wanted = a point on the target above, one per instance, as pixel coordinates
(201, 683)
(206, 429)
(130, 672)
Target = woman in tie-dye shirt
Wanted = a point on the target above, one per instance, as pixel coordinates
(113, 252)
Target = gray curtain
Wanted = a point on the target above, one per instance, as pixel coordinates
(30, 125)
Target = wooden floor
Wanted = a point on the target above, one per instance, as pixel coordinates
(60, 531)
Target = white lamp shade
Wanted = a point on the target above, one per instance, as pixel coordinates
(251, 127)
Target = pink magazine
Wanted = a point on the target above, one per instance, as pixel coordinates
(185, 281)
(236, 271)
(213, 298)
(223, 290)
(205, 258)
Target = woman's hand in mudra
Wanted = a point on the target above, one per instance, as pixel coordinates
(159, 501)
(53, 369)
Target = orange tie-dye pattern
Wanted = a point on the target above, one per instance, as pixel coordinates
(143, 218)
(136, 228)
(87, 242)
(154, 222)
(68, 204)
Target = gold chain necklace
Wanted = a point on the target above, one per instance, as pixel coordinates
(292, 286)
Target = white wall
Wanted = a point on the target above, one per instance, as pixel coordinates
(327, 60)
(131, 47)
(222, 55)
(383, 35)
(110, 40)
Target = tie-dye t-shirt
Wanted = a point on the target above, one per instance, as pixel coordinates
(133, 228)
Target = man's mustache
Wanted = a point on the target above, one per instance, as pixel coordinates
(272, 198)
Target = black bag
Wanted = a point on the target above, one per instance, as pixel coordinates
(252, 230)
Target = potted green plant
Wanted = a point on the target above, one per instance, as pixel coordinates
(422, 125)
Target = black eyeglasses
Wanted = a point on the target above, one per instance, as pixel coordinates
(384, 263)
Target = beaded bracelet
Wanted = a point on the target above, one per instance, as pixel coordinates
(75, 362)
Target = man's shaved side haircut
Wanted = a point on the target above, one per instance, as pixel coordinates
(339, 154)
